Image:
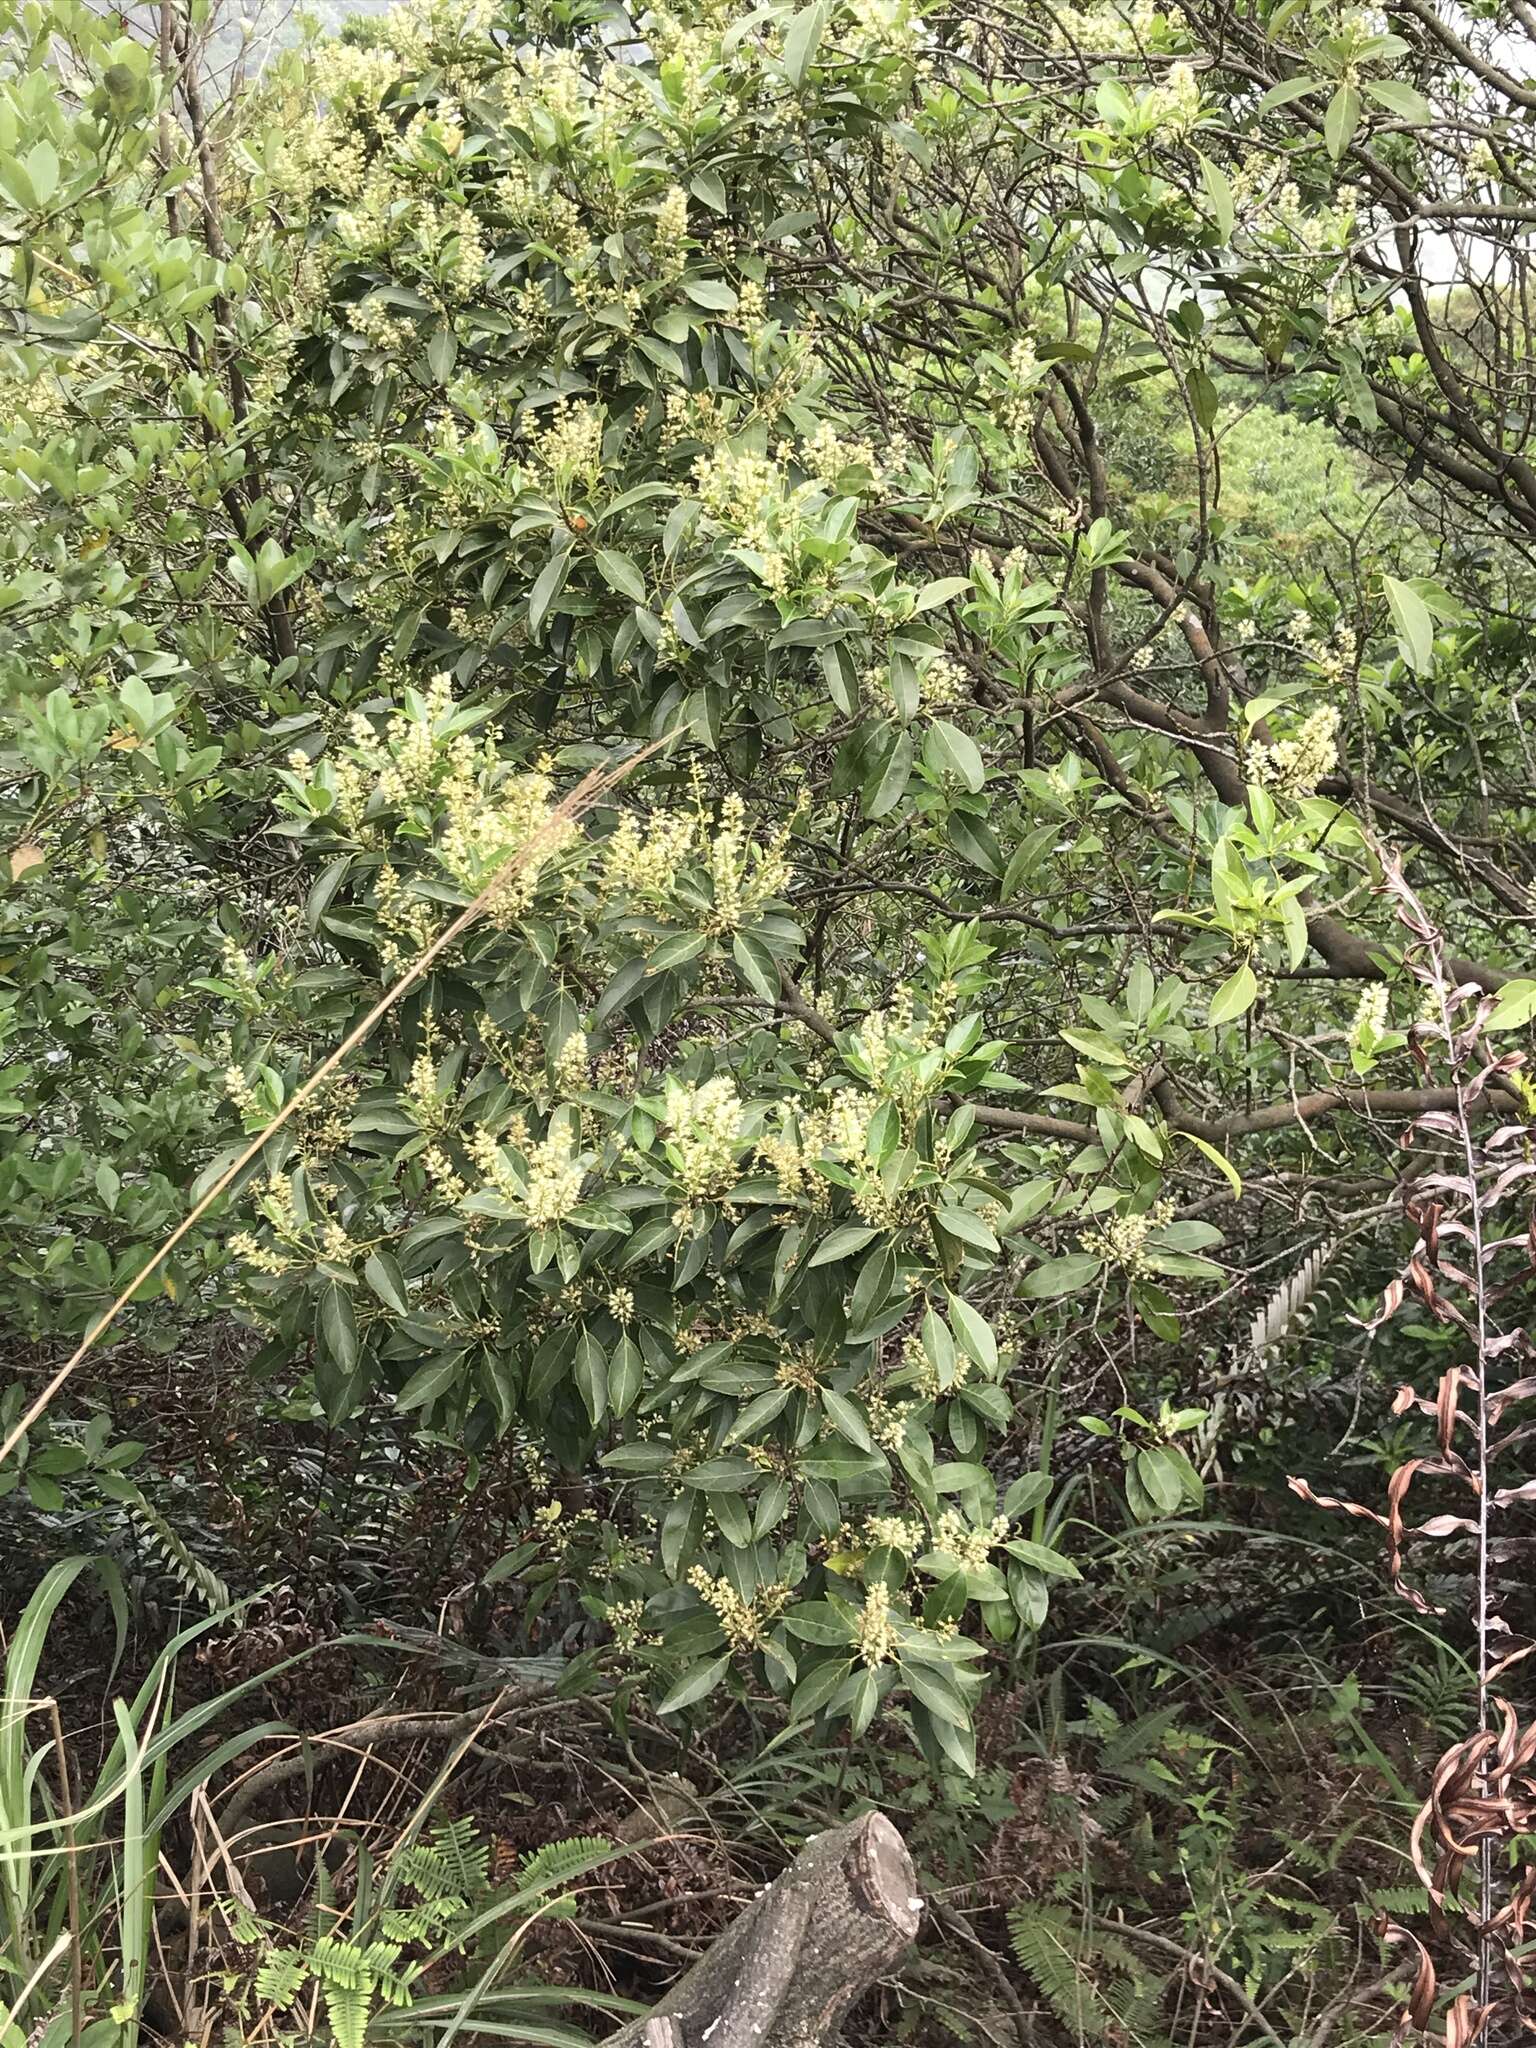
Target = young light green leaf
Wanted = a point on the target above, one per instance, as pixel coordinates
(1516, 1006)
(1415, 628)
(1235, 997)
(1341, 120)
(802, 38)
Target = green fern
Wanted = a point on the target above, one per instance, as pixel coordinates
(1097, 1988)
(348, 2011)
(450, 1874)
(559, 1863)
(195, 1577)
(1138, 1739)
(454, 1864)
(1395, 1900)
(281, 1977)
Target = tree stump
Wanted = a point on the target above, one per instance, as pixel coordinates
(785, 1973)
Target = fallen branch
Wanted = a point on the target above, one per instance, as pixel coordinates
(362, 1738)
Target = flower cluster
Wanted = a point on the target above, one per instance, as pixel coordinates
(1110, 30)
(569, 448)
(645, 863)
(626, 1619)
(569, 1065)
(669, 237)
(1370, 1018)
(925, 1374)
(970, 1545)
(555, 1176)
(1013, 391)
(878, 1638)
(550, 1188)
(744, 1623)
(303, 1241)
(835, 1131)
(744, 876)
(1123, 1239)
(1295, 767)
(1175, 104)
(895, 1532)
(704, 1125)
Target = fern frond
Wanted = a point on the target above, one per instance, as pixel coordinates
(1090, 1979)
(351, 1964)
(1138, 1739)
(195, 1577)
(1283, 1307)
(1396, 1900)
(559, 1863)
(424, 1922)
(464, 1855)
(347, 2009)
(280, 1977)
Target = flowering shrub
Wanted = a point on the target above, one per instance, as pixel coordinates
(486, 392)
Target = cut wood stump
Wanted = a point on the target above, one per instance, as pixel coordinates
(784, 1974)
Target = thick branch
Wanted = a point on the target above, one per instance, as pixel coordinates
(1272, 1116)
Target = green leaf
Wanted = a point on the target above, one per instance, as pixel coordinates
(1026, 1492)
(676, 952)
(1060, 1276)
(756, 966)
(1288, 89)
(1341, 120)
(974, 1332)
(1235, 996)
(43, 171)
(1218, 192)
(847, 1420)
(954, 754)
(626, 1374)
(838, 1244)
(1415, 627)
(1516, 1006)
(547, 587)
(338, 1325)
(712, 293)
(15, 183)
(590, 1371)
(426, 1383)
(720, 1475)
(817, 1687)
(969, 1228)
(940, 591)
(801, 40)
(1400, 98)
(323, 890)
(695, 1685)
(620, 574)
(1041, 1558)
(1359, 400)
(1161, 1478)
(442, 354)
(888, 785)
(1218, 1159)
(1204, 398)
(976, 842)
(382, 1272)
(757, 1415)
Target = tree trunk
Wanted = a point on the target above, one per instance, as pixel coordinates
(784, 1974)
